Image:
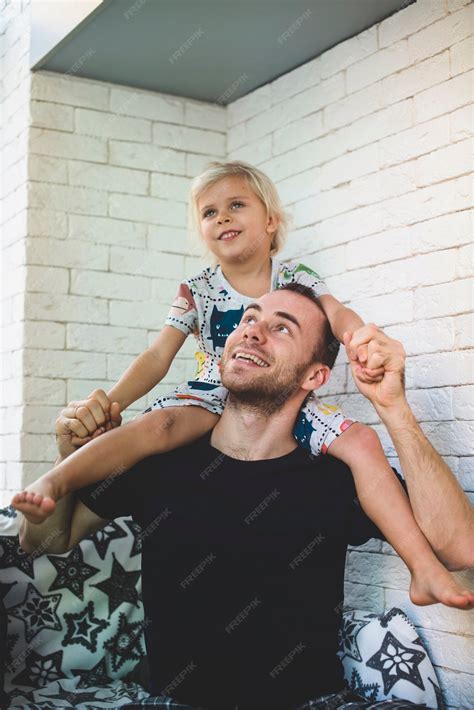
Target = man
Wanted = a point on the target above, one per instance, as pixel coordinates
(245, 535)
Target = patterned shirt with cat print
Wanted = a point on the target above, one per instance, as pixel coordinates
(207, 307)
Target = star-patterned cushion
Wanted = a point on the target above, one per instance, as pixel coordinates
(75, 620)
(75, 628)
(384, 658)
(3, 649)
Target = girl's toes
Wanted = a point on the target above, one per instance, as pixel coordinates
(48, 505)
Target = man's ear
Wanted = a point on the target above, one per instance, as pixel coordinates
(316, 377)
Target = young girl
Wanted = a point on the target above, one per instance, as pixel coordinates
(242, 222)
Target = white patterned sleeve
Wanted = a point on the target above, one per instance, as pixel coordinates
(300, 273)
(183, 313)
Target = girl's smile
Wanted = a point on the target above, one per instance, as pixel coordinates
(234, 222)
(229, 235)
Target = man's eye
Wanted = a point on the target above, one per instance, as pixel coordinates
(283, 328)
(248, 319)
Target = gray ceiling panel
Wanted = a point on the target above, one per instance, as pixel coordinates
(210, 50)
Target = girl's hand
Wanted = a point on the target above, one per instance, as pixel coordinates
(383, 353)
(81, 421)
(369, 369)
(97, 421)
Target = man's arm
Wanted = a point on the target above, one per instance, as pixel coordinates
(440, 506)
(71, 521)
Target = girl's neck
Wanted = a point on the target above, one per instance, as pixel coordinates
(249, 278)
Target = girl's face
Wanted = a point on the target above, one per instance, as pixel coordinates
(231, 205)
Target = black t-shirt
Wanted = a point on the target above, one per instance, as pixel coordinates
(242, 571)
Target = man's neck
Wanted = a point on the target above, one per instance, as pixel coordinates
(247, 433)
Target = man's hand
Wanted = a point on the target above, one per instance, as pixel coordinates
(73, 428)
(79, 421)
(381, 376)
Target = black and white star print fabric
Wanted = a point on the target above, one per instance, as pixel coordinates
(74, 620)
(383, 658)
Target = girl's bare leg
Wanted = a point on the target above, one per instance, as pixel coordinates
(113, 453)
(386, 503)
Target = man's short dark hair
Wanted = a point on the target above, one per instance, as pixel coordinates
(327, 346)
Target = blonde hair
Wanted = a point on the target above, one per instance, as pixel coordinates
(262, 186)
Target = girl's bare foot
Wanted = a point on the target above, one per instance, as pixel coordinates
(38, 501)
(435, 584)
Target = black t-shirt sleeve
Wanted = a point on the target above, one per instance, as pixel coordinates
(361, 528)
(117, 495)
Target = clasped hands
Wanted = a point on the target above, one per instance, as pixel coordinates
(378, 366)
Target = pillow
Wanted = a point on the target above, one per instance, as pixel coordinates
(71, 613)
(384, 658)
(3, 650)
(9, 526)
(9, 522)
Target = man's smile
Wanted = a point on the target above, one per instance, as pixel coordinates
(249, 357)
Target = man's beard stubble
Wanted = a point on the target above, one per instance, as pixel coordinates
(264, 394)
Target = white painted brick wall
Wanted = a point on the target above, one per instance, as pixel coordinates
(370, 146)
(14, 111)
(378, 179)
(97, 178)
(108, 187)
